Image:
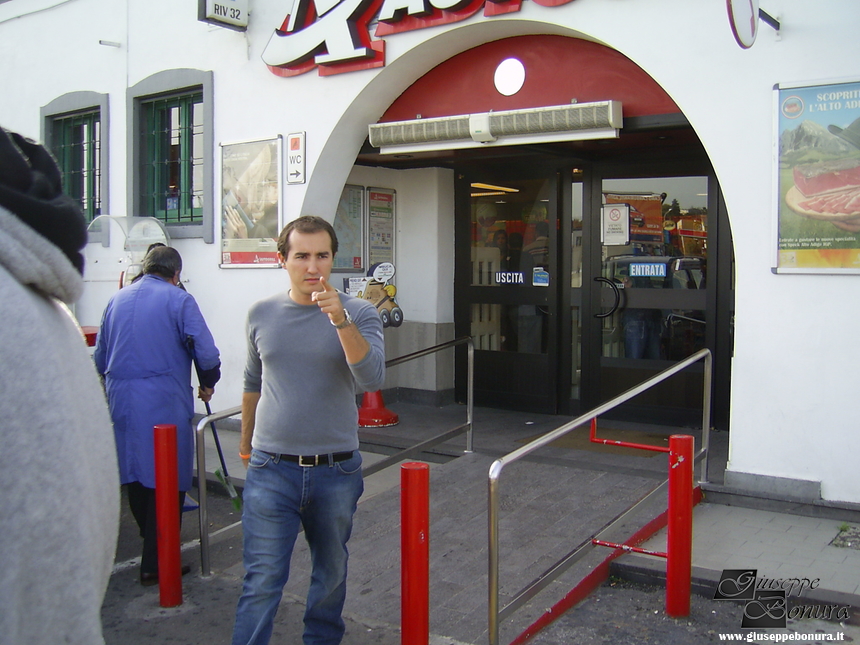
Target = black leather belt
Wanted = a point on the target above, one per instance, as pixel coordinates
(314, 460)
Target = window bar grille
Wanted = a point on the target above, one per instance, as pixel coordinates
(77, 147)
(174, 170)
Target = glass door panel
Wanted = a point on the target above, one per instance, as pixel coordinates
(576, 263)
(511, 287)
(576, 363)
(510, 254)
(654, 251)
(576, 231)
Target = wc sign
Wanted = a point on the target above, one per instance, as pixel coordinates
(296, 158)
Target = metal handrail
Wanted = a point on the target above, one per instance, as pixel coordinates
(682, 317)
(203, 509)
(495, 614)
(467, 427)
(440, 438)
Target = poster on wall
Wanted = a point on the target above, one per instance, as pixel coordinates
(250, 203)
(380, 225)
(349, 228)
(818, 178)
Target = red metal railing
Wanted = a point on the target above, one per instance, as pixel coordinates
(679, 548)
(680, 467)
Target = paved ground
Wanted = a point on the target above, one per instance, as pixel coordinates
(551, 502)
(628, 613)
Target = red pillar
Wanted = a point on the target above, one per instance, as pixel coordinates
(167, 515)
(415, 553)
(679, 565)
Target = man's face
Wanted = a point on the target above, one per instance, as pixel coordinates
(308, 259)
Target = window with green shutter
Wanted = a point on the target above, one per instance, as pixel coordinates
(172, 159)
(76, 143)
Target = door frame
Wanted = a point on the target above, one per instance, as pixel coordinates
(719, 296)
(561, 296)
(466, 294)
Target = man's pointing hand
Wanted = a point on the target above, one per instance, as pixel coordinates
(328, 301)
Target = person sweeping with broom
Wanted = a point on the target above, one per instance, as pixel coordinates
(142, 349)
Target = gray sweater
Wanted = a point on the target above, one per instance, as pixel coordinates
(296, 362)
(59, 484)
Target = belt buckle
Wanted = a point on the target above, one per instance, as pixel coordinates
(314, 461)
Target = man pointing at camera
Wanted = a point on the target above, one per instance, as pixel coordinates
(308, 349)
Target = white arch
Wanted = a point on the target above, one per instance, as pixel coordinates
(338, 155)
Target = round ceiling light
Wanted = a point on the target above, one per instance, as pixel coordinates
(510, 76)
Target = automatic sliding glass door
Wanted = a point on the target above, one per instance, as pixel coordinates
(654, 251)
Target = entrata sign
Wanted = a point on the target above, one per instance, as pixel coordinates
(334, 34)
(647, 270)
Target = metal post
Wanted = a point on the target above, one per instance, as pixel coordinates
(493, 551)
(470, 392)
(203, 509)
(167, 515)
(415, 553)
(706, 416)
(680, 526)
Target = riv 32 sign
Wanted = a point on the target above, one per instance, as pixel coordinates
(334, 34)
(231, 13)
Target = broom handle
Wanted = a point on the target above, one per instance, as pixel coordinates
(217, 443)
(190, 342)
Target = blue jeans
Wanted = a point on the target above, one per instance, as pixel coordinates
(280, 497)
(642, 339)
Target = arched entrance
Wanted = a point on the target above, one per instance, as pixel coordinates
(538, 255)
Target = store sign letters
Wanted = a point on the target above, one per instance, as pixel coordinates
(335, 34)
(334, 31)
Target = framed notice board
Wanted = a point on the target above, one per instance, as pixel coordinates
(349, 228)
(381, 207)
(251, 203)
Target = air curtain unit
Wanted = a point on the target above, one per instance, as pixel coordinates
(598, 120)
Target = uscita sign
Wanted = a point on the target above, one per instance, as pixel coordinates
(509, 277)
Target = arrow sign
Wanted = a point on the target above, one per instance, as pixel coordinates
(296, 158)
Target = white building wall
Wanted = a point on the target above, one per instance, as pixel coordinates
(792, 390)
(424, 259)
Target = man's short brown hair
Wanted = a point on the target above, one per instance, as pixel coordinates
(306, 224)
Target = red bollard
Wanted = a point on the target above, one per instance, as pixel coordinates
(415, 553)
(167, 515)
(679, 564)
